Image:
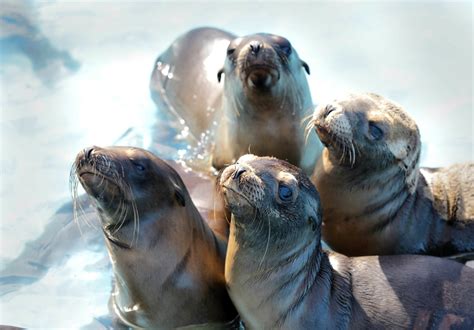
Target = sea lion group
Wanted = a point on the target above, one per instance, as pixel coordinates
(261, 259)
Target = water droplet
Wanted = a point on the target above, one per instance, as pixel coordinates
(165, 70)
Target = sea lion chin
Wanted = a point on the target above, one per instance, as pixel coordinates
(168, 264)
(278, 276)
(375, 197)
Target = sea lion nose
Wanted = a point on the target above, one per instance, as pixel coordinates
(255, 47)
(238, 172)
(88, 152)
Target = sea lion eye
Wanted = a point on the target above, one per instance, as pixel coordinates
(285, 193)
(230, 51)
(375, 131)
(139, 167)
(283, 44)
(286, 49)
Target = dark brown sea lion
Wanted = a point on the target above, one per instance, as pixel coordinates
(168, 263)
(279, 277)
(259, 106)
(375, 198)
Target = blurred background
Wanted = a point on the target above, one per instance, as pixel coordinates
(73, 74)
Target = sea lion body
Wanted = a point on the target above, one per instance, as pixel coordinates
(168, 264)
(259, 106)
(376, 199)
(184, 80)
(279, 277)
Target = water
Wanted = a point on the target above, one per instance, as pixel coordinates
(75, 74)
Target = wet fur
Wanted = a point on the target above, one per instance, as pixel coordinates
(266, 121)
(300, 286)
(376, 200)
(158, 242)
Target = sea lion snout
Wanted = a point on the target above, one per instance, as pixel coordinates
(260, 64)
(243, 190)
(332, 124)
(255, 47)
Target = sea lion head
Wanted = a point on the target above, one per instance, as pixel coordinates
(368, 131)
(128, 186)
(265, 193)
(262, 64)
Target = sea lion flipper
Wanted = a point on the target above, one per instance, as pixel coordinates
(462, 257)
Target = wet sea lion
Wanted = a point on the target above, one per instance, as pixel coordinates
(184, 78)
(259, 105)
(266, 98)
(376, 199)
(279, 277)
(168, 264)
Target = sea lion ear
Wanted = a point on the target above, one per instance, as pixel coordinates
(178, 193)
(313, 223)
(305, 66)
(219, 74)
(180, 197)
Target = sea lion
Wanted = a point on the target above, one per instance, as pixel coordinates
(259, 106)
(168, 264)
(376, 199)
(278, 276)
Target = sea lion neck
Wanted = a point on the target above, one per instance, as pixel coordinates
(284, 280)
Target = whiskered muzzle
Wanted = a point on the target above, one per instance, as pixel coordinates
(335, 131)
(105, 182)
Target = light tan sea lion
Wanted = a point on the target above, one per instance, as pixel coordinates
(259, 106)
(168, 264)
(279, 277)
(375, 198)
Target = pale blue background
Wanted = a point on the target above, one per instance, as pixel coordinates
(90, 84)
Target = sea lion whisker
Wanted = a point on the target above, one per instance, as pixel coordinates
(267, 245)
(341, 159)
(73, 185)
(349, 151)
(122, 215)
(78, 210)
(353, 154)
(309, 118)
(254, 217)
(308, 129)
(136, 220)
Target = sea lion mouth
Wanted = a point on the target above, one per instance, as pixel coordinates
(339, 145)
(234, 198)
(102, 187)
(261, 76)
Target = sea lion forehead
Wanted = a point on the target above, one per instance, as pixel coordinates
(265, 37)
(359, 103)
(279, 169)
(143, 157)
